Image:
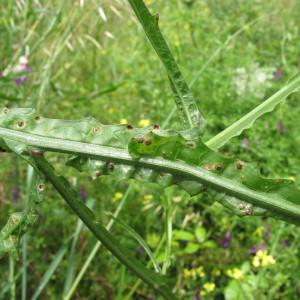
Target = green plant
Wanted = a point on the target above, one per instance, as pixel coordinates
(125, 152)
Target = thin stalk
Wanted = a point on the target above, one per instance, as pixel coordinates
(184, 99)
(97, 245)
(11, 278)
(88, 218)
(30, 175)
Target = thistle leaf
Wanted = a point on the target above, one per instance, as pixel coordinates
(151, 154)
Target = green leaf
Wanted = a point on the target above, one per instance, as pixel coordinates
(201, 234)
(191, 248)
(165, 157)
(248, 120)
(183, 235)
(237, 290)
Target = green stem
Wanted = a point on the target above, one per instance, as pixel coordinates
(182, 94)
(108, 227)
(11, 278)
(278, 205)
(88, 218)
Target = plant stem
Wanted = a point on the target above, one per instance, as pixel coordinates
(276, 204)
(88, 218)
(11, 278)
(182, 94)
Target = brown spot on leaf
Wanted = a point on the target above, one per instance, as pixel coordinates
(140, 140)
(21, 124)
(98, 173)
(148, 142)
(41, 187)
(36, 152)
(218, 167)
(96, 130)
(239, 165)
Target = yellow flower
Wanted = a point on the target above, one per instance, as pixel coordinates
(259, 231)
(200, 272)
(235, 273)
(256, 262)
(147, 199)
(117, 196)
(209, 287)
(263, 259)
(144, 122)
(148, 2)
(123, 121)
(188, 273)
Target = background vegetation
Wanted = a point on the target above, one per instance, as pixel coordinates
(91, 58)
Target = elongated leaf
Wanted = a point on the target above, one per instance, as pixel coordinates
(165, 157)
(248, 120)
(182, 94)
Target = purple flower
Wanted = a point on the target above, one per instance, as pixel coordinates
(277, 73)
(16, 193)
(226, 240)
(20, 80)
(261, 246)
(281, 128)
(83, 193)
(286, 243)
(245, 143)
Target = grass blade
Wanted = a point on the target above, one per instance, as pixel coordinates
(50, 271)
(96, 247)
(72, 255)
